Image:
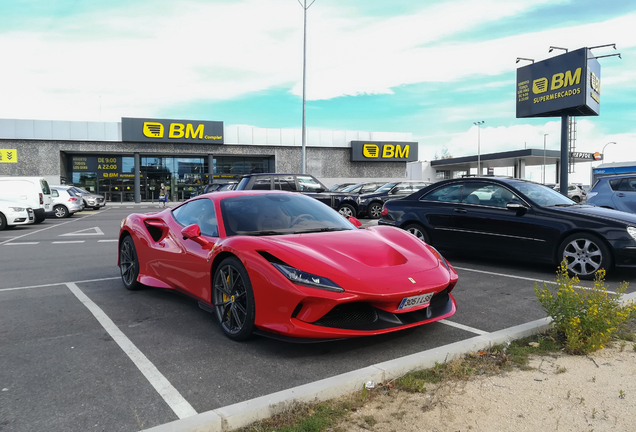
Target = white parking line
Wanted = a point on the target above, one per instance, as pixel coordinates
(68, 241)
(526, 278)
(56, 284)
(20, 243)
(463, 327)
(106, 241)
(170, 395)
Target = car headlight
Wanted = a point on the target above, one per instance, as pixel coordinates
(631, 231)
(304, 278)
(17, 209)
(439, 256)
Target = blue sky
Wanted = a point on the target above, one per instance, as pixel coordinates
(430, 68)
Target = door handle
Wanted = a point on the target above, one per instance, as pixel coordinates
(620, 194)
(459, 210)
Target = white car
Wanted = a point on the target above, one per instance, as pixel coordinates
(65, 202)
(14, 213)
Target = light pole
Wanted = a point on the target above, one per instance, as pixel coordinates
(303, 161)
(478, 146)
(603, 152)
(543, 171)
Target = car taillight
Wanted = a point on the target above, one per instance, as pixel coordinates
(385, 211)
(41, 199)
(72, 199)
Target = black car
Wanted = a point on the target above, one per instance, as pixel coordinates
(218, 187)
(306, 184)
(516, 218)
(370, 204)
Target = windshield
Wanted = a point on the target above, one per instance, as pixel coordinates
(352, 188)
(543, 195)
(276, 214)
(387, 187)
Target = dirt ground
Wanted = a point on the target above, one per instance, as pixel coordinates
(561, 393)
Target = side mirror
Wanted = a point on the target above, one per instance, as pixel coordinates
(193, 232)
(518, 207)
(354, 221)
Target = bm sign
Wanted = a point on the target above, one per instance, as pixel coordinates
(568, 84)
(383, 151)
(179, 131)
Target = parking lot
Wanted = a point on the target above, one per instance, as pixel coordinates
(81, 353)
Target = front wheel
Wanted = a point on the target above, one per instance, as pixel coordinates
(417, 231)
(347, 210)
(60, 211)
(233, 299)
(129, 264)
(375, 209)
(3, 222)
(585, 254)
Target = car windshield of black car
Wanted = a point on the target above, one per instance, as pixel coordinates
(274, 214)
(542, 195)
(387, 187)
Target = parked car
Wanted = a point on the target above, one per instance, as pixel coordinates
(363, 188)
(370, 204)
(340, 186)
(65, 202)
(217, 187)
(33, 192)
(90, 199)
(575, 192)
(306, 184)
(521, 219)
(283, 264)
(14, 213)
(616, 192)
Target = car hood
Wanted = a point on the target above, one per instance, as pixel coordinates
(362, 254)
(600, 212)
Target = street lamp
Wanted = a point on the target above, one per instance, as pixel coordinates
(304, 132)
(603, 152)
(478, 146)
(543, 174)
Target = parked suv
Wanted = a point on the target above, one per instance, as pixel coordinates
(90, 199)
(306, 184)
(371, 204)
(616, 192)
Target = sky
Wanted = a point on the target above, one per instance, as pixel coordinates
(431, 68)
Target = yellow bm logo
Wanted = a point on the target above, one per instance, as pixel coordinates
(176, 130)
(559, 80)
(388, 151)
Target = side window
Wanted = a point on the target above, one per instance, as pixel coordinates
(54, 193)
(200, 212)
(403, 188)
(628, 185)
(614, 184)
(286, 183)
(451, 193)
(500, 197)
(309, 184)
(262, 183)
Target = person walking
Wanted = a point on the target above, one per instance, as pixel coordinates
(163, 195)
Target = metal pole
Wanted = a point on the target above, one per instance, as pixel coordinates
(565, 156)
(304, 132)
(543, 171)
(478, 146)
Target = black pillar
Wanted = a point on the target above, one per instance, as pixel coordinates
(565, 161)
(137, 169)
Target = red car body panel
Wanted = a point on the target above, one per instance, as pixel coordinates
(378, 266)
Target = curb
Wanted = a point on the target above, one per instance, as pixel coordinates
(245, 413)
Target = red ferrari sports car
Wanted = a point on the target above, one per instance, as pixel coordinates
(287, 266)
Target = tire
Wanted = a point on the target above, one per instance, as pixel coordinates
(585, 255)
(347, 210)
(3, 222)
(60, 211)
(39, 220)
(129, 264)
(418, 231)
(96, 208)
(576, 199)
(374, 210)
(233, 299)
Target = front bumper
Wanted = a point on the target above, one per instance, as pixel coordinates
(21, 218)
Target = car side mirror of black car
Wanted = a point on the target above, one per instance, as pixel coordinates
(193, 232)
(516, 206)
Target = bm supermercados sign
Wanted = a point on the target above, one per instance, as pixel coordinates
(568, 84)
(174, 131)
(383, 151)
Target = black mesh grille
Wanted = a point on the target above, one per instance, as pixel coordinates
(348, 315)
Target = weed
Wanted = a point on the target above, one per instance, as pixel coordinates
(587, 318)
(561, 370)
(370, 421)
(621, 394)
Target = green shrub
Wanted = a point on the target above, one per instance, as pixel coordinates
(586, 318)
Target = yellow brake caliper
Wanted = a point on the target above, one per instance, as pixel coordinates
(225, 296)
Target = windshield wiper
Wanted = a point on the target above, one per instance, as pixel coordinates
(260, 233)
(320, 230)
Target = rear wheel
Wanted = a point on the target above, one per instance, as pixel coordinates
(60, 211)
(129, 264)
(418, 231)
(375, 209)
(233, 299)
(39, 219)
(585, 255)
(576, 199)
(347, 210)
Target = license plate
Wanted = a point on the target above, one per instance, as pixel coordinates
(409, 302)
